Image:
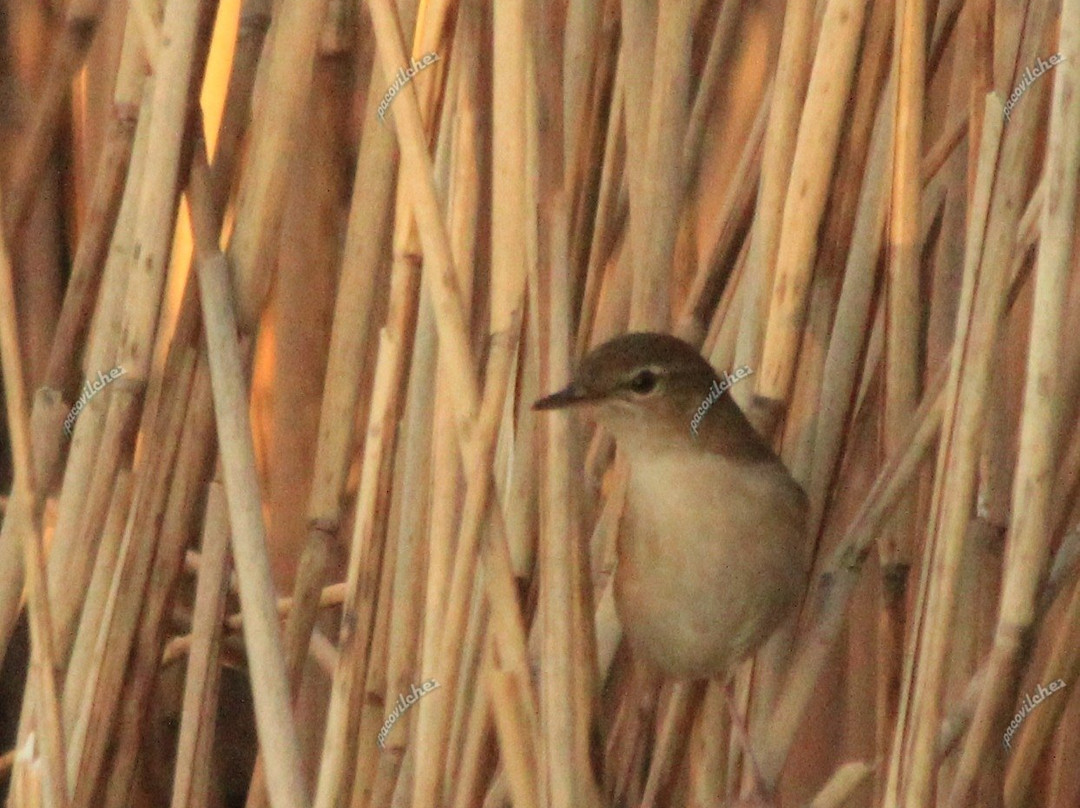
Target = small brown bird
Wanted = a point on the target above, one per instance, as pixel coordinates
(711, 557)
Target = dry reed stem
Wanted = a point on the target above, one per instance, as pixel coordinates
(200, 681)
(1038, 729)
(329, 596)
(100, 353)
(88, 264)
(476, 448)
(446, 489)
(20, 505)
(1028, 547)
(269, 684)
(557, 531)
(789, 89)
(520, 771)
(283, 85)
(831, 77)
(11, 561)
(367, 546)
(252, 26)
(151, 233)
(706, 748)
(956, 723)
(584, 169)
(583, 25)
(95, 704)
(942, 148)
(26, 516)
(722, 337)
(176, 459)
(144, 13)
(637, 59)
(395, 671)
(903, 300)
(467, 780)
(508, 217)
(674, 728)
(466, 698)
(383, 660)
(954, 484)
(395, 344)
(97, 595)
(981, 19)
(453, 332)
(1027, 236)
(903, 330)
(873, 74)
(661, 186)
(850, 330)
(350, 340)
(842, 785)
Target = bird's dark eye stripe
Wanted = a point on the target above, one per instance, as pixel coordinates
(643, 381)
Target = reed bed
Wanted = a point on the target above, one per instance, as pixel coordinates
(311, 547)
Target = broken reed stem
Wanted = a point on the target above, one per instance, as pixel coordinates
(329, 596)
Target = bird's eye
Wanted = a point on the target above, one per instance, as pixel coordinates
(643, 382)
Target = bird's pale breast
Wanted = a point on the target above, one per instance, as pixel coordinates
(711, 559)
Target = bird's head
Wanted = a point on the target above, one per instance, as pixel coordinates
(643, 387)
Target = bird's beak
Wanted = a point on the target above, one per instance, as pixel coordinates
(574, 394)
